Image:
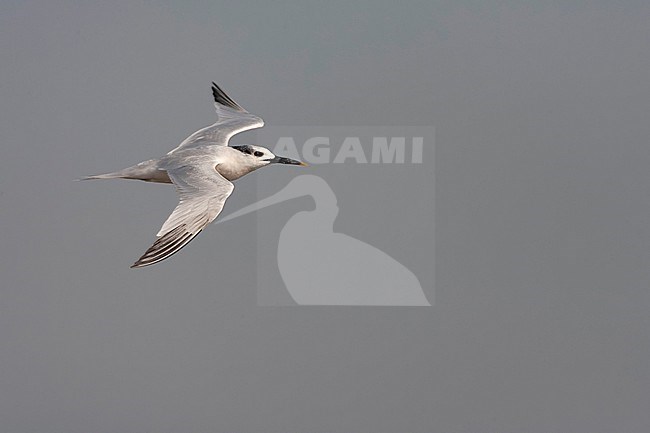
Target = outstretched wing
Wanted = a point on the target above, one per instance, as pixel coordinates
(203, 192)
(231, 120)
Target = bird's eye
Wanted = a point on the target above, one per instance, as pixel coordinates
(258, 153)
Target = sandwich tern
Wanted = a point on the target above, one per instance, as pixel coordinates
(202, 167)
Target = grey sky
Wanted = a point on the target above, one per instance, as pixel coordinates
(540, 320)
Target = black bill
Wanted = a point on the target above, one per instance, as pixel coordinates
(282, 160)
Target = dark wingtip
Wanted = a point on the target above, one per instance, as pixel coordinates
(165, 246)
(220, 97)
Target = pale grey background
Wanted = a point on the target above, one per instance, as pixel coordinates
(542, 204)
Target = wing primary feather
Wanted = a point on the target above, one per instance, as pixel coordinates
(148, 260)
(161, 249)
(168, 245)
(167, 249)
(222, 98)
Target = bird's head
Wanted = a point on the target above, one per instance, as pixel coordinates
(260, 156)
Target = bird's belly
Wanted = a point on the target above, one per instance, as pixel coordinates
(158, 176)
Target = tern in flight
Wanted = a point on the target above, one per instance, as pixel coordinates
(202, 167)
